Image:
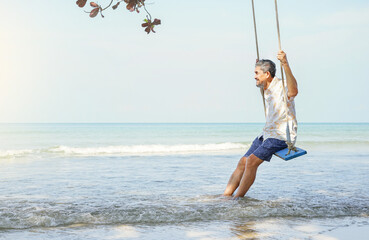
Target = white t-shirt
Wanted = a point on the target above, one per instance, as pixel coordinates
(276, 124)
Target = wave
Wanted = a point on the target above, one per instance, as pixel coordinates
(131, 150)
(15, 153)
(173, 149)
(27, 214)
(150, 149)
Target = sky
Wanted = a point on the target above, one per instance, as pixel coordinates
(59, 65)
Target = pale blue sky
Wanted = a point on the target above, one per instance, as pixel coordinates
(59, 65)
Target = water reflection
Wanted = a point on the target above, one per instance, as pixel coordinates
(245, 231)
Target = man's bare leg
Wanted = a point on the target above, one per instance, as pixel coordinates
(235, 178)
(249, 175)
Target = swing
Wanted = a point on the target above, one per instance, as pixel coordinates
(291, 151)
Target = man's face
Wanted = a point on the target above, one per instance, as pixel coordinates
(260, 77)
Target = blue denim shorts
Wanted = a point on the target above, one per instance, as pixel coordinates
(265, 149)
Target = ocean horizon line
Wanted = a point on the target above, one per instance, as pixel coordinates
(174, 122)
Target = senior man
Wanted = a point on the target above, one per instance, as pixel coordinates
(273, 138)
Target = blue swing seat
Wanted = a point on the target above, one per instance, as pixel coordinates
(283, 153)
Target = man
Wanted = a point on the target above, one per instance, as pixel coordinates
(273, 138)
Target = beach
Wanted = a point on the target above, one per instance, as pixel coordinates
(164, 181)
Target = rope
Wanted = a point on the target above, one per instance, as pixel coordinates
(288, 142)
(257, 51)
(256, 35)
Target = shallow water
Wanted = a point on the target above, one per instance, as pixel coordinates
(63, 181)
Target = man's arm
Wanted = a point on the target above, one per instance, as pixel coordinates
(291, 81)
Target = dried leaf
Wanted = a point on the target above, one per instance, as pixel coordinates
(81, 3)
(149, 26)
(133, 5)
(94, 12)
(156, 22)
(92, 4)
(116, 5)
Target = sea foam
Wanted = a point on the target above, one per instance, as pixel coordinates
(129, 150)
(151, 149)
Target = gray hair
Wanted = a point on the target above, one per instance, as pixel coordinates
(266, 65)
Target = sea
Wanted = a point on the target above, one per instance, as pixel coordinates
(165, 181)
